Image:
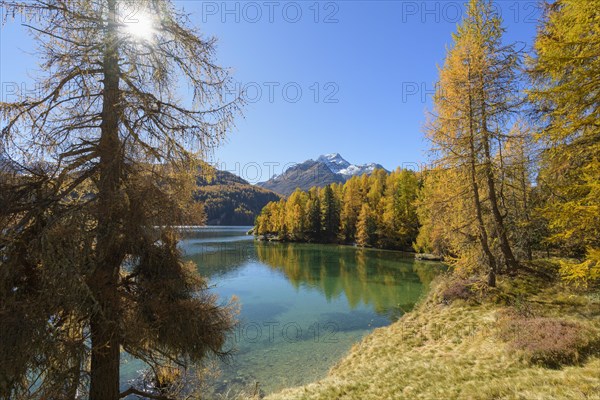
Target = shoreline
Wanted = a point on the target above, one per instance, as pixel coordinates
(272, 238)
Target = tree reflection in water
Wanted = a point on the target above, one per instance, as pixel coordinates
(391, 282)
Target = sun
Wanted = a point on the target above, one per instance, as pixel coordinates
(140, 27)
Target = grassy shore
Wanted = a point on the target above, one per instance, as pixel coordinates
(531, 338)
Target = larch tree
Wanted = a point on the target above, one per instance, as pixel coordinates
(295, 209)
(375, 199)
(366, 228)
(518, 154)
(474, 100)
(433, 206)
(400, 222)
(566, 96)
(351, 203)
(448, 219)
(100, 159)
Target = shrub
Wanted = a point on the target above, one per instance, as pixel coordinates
(550, 342)
(455, 287)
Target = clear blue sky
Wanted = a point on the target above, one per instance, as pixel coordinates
(366, 70)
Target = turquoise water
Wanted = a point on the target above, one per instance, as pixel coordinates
(302, 306)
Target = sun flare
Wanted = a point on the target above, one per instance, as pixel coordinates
(142, 27)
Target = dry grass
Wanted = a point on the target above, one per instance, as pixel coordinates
(456, 351)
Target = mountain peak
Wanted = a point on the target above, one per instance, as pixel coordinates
(338, 165)
(332, 157)
(334, 161)
(327, 169)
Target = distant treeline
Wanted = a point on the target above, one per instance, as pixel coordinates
(371, 211)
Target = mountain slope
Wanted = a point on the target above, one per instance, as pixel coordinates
(304, 176)
(327, 169)
(230, 200)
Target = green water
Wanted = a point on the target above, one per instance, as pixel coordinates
(302, 305)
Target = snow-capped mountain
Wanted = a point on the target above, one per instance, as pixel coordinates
(334, 162)
(327, 169)
(338, 165)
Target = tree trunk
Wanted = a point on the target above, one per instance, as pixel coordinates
(104, 377)
(511, 262)
(104, 323)
(483, 237)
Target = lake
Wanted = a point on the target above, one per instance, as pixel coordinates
(302, 306)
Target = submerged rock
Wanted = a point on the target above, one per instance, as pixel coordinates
(269, 237)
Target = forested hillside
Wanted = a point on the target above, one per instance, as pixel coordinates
(230, 200)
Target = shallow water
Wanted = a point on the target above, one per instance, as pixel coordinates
(302, 305)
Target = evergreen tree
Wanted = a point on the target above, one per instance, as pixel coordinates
(313, 216)
(330, 214)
